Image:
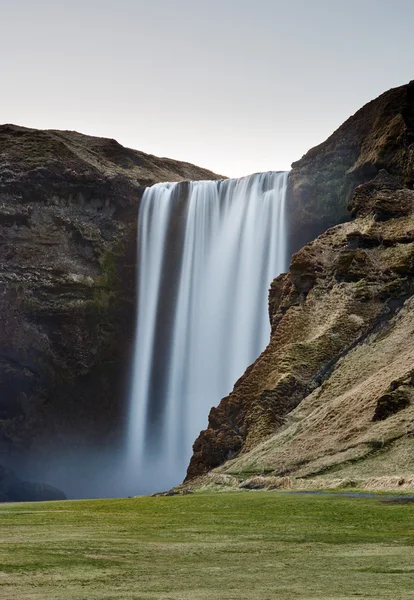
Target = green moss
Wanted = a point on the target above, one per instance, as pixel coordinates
(106, 285)
(108, 277)
(102, 299)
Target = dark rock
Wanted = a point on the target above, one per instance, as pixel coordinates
(68, 221)
(388, 206)
(304, 268)
(374, 145)
(252, 484)
(391, 403)
(356, 239)
(12, 489)
(25, 491)
(351, 265)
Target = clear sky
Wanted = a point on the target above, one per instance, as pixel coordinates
(236, 86)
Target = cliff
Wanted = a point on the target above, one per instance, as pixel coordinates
(379, 136)
(334, 387)
(332, 393)
(68, 218)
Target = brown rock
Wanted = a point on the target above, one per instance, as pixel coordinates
(377, 140)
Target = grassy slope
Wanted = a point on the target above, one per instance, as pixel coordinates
(238, 546)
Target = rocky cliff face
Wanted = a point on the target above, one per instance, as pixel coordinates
(68, 216)
(333, 391)
(335, 385)
(379, 136)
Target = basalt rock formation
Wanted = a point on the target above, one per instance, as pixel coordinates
(379, 136)
(68, 218)
(333, 391)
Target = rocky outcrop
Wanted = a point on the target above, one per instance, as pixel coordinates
(13, 489)
(379, 136)
(68, 218)
(334, 387)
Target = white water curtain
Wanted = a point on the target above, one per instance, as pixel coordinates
(207, 252)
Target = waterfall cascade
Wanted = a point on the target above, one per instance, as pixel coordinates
(207, 252)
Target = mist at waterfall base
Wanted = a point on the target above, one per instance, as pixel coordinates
(207, 252)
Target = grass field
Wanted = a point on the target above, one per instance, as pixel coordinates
(226, 546)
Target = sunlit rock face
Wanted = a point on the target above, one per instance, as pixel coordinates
(68, 206)
(207, 252)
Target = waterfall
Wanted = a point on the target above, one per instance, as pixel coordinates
(207, 252)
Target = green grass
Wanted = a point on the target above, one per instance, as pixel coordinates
(227, 546)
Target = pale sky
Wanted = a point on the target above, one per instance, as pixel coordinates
(236, 86)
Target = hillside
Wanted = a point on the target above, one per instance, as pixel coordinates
(331, 396)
